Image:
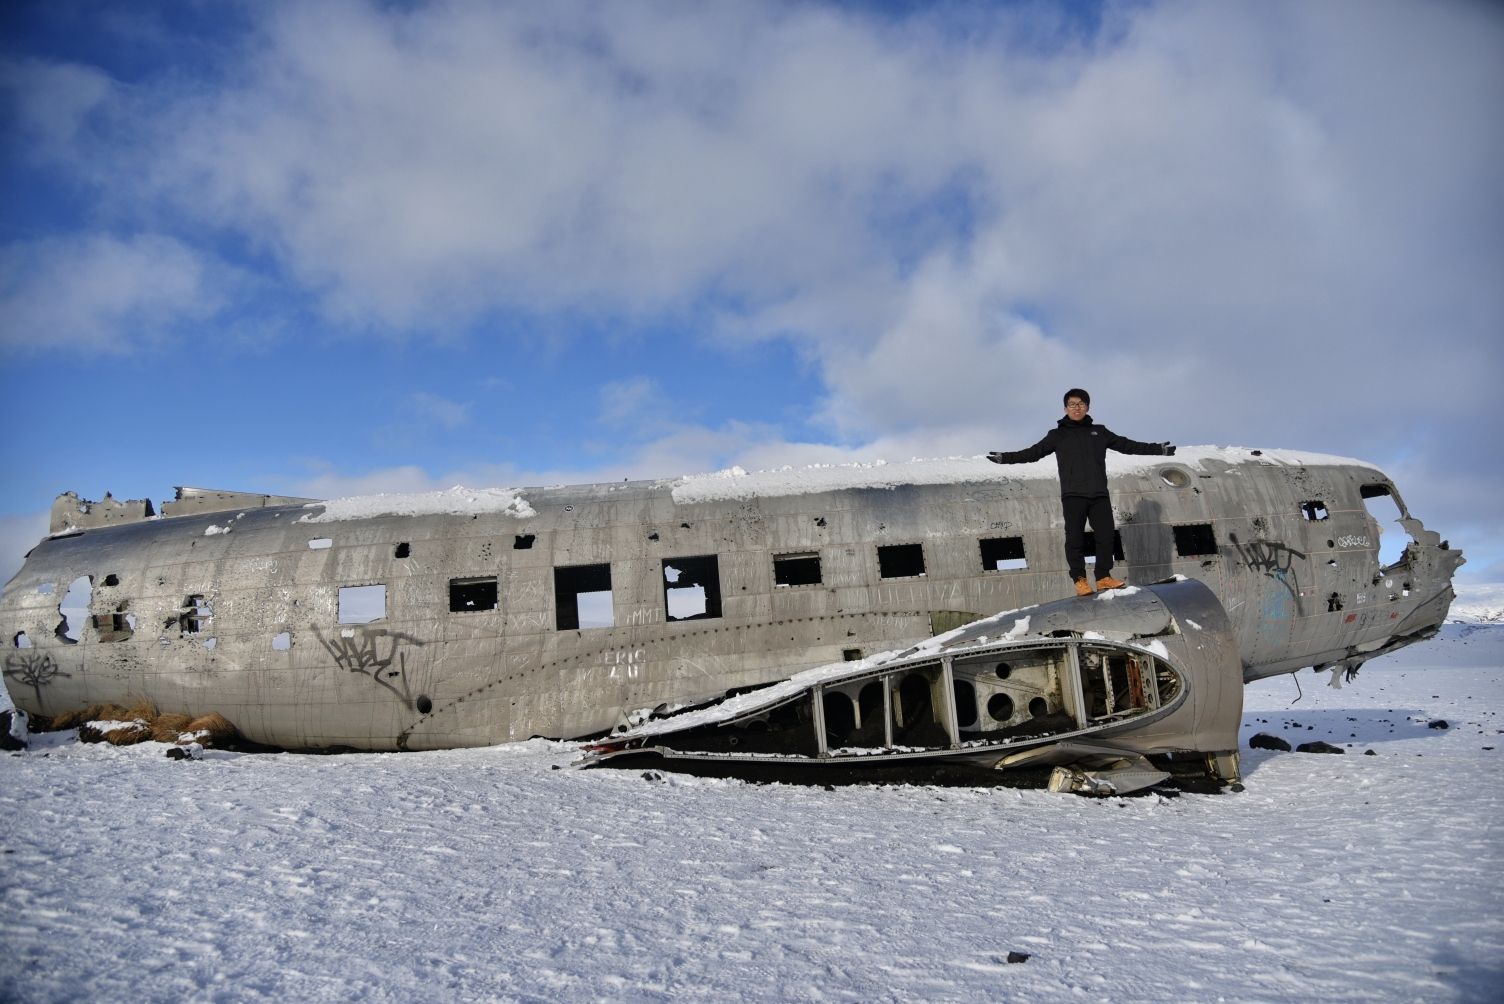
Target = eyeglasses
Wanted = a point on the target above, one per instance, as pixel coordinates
(1078, 404)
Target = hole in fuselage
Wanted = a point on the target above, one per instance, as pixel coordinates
(1039, 707)
(840, 717)
(966, 704)
(1000, 707)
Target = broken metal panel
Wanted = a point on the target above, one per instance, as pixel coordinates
(197, 501)
(69, 512)
(1198, 701)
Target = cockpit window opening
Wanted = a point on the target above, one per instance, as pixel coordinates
(582, 597)
(1314, 510)
(1384, 509)
(1003, 554)
(692, 587)
(801, 568)
(901, 561)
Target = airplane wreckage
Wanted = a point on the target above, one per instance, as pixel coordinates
(828, 624)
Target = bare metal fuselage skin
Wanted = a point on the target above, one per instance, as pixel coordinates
(1298, 592)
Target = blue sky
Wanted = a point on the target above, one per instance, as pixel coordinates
(323, 248)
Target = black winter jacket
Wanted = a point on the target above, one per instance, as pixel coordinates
(1080, 450)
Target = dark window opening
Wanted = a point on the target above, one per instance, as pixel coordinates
(196, 614)
(1000, 707)
(1334, 603)
(914, 695)
(899, 561)
(403, 550)
(870, 701)
(802, 569)
(692, 587)
(1195, 540)
(1314, 510)
(582, 597)
(840, 718)
(112, 579)
(524, 542)
(1089, 546)
(116, 626)
(1001, 554)
(1374, 491)
(966, 703)
(1004, 671)
(851, 654)
(423, 704)
(472, 594)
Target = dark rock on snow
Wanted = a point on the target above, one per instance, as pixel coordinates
(1264, 741)
(13, 730)
(1017, 957)
(1440, 723)
(1319, 747)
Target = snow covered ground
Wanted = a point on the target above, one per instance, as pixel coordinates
(485, 875)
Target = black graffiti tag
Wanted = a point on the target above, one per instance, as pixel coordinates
(360, 652)
(1274, 560)
(33, 669)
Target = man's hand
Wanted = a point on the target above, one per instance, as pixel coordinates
(1168, 449)
(995, 457)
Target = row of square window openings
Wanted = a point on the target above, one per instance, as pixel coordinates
(692, 586)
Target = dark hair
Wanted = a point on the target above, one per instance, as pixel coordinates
(1078, 392)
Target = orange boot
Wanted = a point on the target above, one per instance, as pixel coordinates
(1108, 582)
(1083, 587)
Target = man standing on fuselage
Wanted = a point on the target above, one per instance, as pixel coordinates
(1080, 449)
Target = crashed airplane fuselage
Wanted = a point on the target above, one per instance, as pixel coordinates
(467, 618)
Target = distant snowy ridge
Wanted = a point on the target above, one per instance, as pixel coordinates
(457, 501)
(735, 483)
(1480, 603)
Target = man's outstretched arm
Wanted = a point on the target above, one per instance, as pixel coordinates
(1038, 451)
(1122, 444)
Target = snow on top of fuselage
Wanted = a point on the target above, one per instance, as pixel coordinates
(457, 501)
(736, 483)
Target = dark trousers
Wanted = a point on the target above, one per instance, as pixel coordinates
(1077, 511)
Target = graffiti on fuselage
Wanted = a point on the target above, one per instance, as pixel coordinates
(1275, 561)
(358, 650)
(33, 669)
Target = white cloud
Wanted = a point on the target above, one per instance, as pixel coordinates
(98, 292)
(1273, 223)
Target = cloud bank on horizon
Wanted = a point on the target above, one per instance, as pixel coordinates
(759, 234)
